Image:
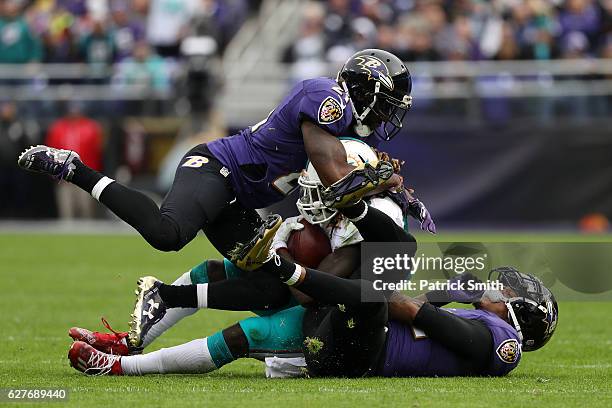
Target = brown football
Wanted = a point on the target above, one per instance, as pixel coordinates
(309, 245)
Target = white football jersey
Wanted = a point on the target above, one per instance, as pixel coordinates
(342, 232)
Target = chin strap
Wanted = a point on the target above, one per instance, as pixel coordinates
(515, 322)
(360, 128)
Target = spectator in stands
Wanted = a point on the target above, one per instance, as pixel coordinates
(219, 19)
(58, 37)
(337, 20)
(76, 132)
(456, 41)
(509, 48)
(536, 28)
(307, 52)
(18, 45)
(582, 16)
(98, 48)
(144, 68)
(127, 30)
(167, 25)
(15, 136)
(415, 39)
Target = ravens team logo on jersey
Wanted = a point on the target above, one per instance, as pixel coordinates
(330, 111)
(508, 351)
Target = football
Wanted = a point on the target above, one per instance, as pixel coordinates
(309, 245)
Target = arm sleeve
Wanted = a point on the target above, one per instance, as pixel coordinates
(468, 338)
(327, 110)
(377, 226)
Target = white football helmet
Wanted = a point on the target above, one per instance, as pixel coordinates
(310, 203)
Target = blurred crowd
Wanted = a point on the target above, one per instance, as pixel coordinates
(107, 31)
(433, 30)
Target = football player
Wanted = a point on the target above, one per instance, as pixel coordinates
(395, 338)
(218, 185)
(276, 332)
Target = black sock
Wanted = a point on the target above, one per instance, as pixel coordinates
(258, 290)
(85, 177)
(138, 210)
(179, 296)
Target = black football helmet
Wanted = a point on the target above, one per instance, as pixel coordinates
(379, 87)
(532, 310)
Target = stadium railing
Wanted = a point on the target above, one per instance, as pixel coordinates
(246, 98)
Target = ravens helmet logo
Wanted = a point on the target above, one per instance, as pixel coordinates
(375, 68)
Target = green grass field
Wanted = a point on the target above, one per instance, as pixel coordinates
(52, 283)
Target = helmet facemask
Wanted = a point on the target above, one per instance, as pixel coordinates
(370, 109)
(310, 204)
(391, 111)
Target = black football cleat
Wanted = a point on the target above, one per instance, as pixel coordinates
(254, 253)
(149, 310)
(57, 163)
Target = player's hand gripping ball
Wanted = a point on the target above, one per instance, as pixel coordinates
(309, 245)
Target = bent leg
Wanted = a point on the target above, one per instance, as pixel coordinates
(198, 356)
(208, 271)
(253, 337)
(197, 196)
(231, 289)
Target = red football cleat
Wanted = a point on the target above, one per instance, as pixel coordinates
(109, 343)
(90, 361)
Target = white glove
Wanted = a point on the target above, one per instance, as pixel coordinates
(284, 232)
(285, 367)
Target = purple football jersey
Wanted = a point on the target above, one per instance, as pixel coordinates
(411, 354)
(265, 160)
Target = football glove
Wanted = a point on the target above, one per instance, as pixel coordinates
(417, 210)
(284, 232)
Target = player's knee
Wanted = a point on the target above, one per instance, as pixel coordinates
(281, 331)
(257, 330)
(165, 236)
(164, 243)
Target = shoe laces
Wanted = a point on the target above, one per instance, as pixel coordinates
(65, 168)
(118, 336)
(55, 166)
(108, 326)
(101, 363)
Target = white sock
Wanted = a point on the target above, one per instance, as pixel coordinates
(202, 292)
(192, 357)
(97, 190)
(172, 316)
